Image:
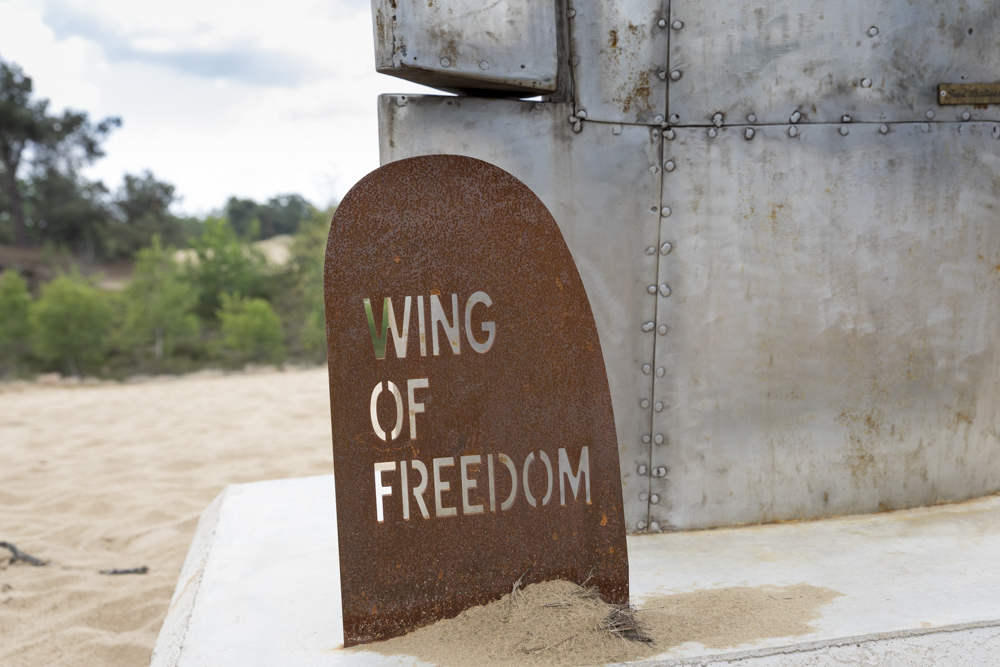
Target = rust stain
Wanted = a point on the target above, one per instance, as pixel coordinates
(613, 38)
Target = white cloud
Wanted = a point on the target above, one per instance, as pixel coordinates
(221, 98)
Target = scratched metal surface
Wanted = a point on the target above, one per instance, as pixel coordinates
(611, 230)
(618, 52)
(504, 45)
(834, 341)
(443, 225)
(874, 60)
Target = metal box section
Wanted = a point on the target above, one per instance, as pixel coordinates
(834, 336)
(787, 241)
(506, 45)
(869, 60)
(611, 230)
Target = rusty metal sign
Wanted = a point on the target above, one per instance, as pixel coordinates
(969, 93)
(473, 435)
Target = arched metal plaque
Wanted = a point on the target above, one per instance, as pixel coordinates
(473, 434)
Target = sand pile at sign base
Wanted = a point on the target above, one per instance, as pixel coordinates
(561, 623)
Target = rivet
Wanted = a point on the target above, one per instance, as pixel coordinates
(654, 527)
(646, 368)
(662, 23)
(929, 114)
(659, 406)
(654, 499)
(643, 469)
(717, 119)
(662, 75)
(660, 371)
(578, 126)
(713, 133)
(648, 326)
(643, 496)
(575, 61)
(400, 100)
(650, 250)
(658, 439)
(677, 25)
(644, 403)
(674, 118)
(669, 165)
(748, 133)
(845, 118)
(872, 31)
(659, 472)
(793, 131)
(616, 129)
(654, 169)
(645, 439)
(655, 134)
(484, 65)
(844, 131)
(925, 127)
(669, 135)
(445, 62)
(658, 119)
(944, 93)
(651, 289)
(866, 83)
(664, 289)
(795, 117)
(966, 115)
(884, 129)
(996, 131)
(581, 113)
(665, 212)
(752, 118)
(662, 329)
(641, 525)
(676, 75)
(654, 209)
(571, 13)
(666, 248)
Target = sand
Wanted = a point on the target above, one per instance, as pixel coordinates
(116, 476)
(559, 623)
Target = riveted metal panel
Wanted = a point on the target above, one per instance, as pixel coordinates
(602, 186)
(619, 58)
(834, 329)
(874, 60)
(505, 45)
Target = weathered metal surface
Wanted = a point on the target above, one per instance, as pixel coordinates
(505, 45)
(473, 432)
(611, 228)
(877, 61)
(618, 52)
(965, 94)
(834, 341)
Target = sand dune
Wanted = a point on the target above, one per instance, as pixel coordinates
(116, 476)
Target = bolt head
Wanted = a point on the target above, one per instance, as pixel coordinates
(713, 133)
(666, 248)
(793, 131)
(662, 23)
(677, 25)
(658, 119)
(484, 65)
(654, 499)
(669, 165)
(664, 289)
(662, 329)
(845, 118)
(645, 439)
(646, 368)
(644, 403)
(674, 118)
(658, 439)
(752, 118)
(795, 117)
(641, 525)
(659, 373)
(654, 527)
(581, 113)
(669, 135)
(652, 290)
(966, 115)
(650, 250)
(643, 496)
(748, 133)
(844, 131)
(643, 469)
(872, 31)
(571, 13)
(446, 62)
(658, 407)
(884, 129)
(675, 75)
(929, 114)
(866, 83)
(665, 212)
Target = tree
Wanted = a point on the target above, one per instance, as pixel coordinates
(71, 320)
(159, 303)
(224, 265)
(280, 215)
(142, 207)
(251, 328)
(15, 327)
(61, 142)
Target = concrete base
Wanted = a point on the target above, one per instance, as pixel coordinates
(261, 584)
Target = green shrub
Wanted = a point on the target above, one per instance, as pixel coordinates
(70, 321)
(15, 326)
(159, 303)
(224, 265)
(251, 328)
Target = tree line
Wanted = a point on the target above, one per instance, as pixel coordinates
(219, 302)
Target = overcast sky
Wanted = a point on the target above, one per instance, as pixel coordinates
(219, 97)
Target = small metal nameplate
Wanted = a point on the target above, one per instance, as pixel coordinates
(969, 93)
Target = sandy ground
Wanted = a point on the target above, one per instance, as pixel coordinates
(116, 476)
